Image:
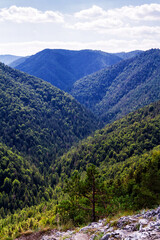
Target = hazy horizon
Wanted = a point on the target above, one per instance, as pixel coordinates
(27, 27)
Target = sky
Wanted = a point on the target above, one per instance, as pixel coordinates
(29, 26)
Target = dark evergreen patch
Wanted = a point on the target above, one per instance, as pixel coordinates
(21, 184)
(38, 119)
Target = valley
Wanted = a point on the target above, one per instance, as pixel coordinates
(124, 87)
(63, 67)
(79, 139)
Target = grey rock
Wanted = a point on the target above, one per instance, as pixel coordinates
(85, 228)
(102, 220)
(143, 221)
(138, 215)
(92, 237)
(144, 226)
(105, 237)
(93, 223)
(110, 229)
(157, 210)
(48, 238)
(130, 228)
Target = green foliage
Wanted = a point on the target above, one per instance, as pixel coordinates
(115, 169)
(86, 196)
(38, 122)
(126, 176)
(21, 184)
(133, 187)
(38, 119)
(122, 88)
(127, 154)
(28, 220)
(133, 135)
(140, 181)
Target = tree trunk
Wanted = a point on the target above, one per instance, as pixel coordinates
(93, 200)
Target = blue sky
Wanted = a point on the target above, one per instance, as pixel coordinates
(28, 26)
(70, 6)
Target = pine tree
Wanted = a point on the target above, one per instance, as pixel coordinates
(86, 193)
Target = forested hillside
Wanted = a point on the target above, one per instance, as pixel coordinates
(127, 154)
(63, 67)
(38, 119)
(48, 159)
(133, 135)
(122, 88)
(115, 170)
(21, 184)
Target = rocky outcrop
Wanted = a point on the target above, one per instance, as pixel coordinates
(145, 225)
(142, 226)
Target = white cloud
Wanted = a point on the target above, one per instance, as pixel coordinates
(135, 32)
(29, 14)
(98, 24)
(149, 12)
(91, 13)
(96, 18)
(120, 29)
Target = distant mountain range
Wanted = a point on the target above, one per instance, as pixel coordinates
(124, 87)
(127, 55)
(63, 67)
(17, 62)
(110, 85)
(8, 59)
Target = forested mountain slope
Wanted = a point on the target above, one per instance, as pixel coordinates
(38, 119)
(125, 176)
(132, 135)
(63, 67)
(125, 170)
(124, 87)
(21, 184)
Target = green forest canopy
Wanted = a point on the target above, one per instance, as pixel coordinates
(122, 88)
(38, 119)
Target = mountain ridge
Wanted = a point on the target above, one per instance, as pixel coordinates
(124, 87)
(35, 113)
(63, 67)
(126, 55)
(8, 59)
